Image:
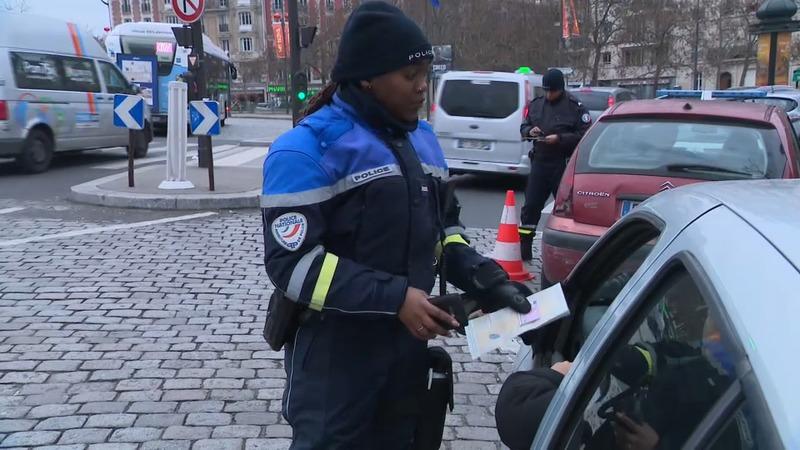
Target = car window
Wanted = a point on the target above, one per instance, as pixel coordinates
(661, 378)
(624, 96)
(115, 82)
(36, 71)
(697, 150)
(592, 100)
(79, 74)
(786, 104)
(489, 99)
(604, 272)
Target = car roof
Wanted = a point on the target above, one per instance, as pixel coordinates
(753, 112)
(597, 89)
(484, 74)
(764, 204)
(47, 35)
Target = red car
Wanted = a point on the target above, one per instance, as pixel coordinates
(640, 148)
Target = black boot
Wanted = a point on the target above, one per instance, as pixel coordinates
(526, 242)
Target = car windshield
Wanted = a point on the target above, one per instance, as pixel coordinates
(593, 100)
(489, 99)
(786, 104)
(707, 150)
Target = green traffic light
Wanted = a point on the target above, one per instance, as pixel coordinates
(302, 96)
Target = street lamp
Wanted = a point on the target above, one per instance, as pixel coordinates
(774, 24)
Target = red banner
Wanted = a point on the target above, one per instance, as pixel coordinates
(281, 49)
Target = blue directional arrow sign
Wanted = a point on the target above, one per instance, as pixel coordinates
(204, 117)
(129, 111)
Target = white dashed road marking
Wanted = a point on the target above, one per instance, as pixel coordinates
(124, 226)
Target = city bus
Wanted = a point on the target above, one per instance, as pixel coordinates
(148, 55)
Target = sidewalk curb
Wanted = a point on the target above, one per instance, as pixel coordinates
(254, 143)
(261, 116)
(91, 193)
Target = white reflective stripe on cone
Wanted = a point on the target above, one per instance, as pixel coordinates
(507, 251)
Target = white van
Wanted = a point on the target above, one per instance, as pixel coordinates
(477, 117)
(57, 89)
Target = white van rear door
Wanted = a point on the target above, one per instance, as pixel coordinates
(478, 119)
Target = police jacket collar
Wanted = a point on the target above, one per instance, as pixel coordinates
(366, 108)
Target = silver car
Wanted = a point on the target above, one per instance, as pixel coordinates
(683, 326)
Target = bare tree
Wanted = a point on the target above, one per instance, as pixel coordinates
(19, 6)
(727, 37)
(603, 22)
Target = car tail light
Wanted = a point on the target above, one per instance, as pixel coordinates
(563, 203)
(611, 101)
(3, 110)
(433, 108)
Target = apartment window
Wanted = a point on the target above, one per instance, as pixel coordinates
(126, 6)
(172, 19)
(329, 4)
(226, 45)
(347, 4)
(606, 56)
(245, 18)
(145, 6)
(634, 56)
(223, 3)
(303, 3)
(223, 24)
(127, 20)
(147, 19)
(246, 44)
(277, 5)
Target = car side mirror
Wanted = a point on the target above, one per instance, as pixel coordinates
(136, 89)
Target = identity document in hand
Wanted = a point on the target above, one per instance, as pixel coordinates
(492, 331)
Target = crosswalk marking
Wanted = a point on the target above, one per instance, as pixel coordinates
(11, 210)
(229, 155)
(242, 157)
(141, 161)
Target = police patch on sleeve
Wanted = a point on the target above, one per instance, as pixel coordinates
(290, 230)
(586, 118)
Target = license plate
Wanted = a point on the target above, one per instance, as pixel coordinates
(474, 144)
(627, 207)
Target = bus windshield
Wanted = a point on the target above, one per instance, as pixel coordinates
(162, 49)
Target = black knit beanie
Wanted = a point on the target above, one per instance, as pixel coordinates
(378, 38)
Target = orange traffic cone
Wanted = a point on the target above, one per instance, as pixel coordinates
(507, 248)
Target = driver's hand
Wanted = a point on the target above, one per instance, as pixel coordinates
(634, 436)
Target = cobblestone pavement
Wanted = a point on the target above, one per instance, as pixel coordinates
(150, 338)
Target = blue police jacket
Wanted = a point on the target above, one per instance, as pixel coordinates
(348, 228)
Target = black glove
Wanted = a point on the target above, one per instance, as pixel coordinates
(494, 291)
(507, 294)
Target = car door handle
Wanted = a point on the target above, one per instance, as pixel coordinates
(473, 127)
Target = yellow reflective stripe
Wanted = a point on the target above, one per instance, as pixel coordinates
(323, 282)
(647, 357)
(455, 239)
(525, 231)
(438, 250)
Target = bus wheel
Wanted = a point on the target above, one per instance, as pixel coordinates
(37, 152)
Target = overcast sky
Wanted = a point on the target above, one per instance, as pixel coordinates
(89, 13)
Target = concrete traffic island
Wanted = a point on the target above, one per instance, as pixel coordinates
(235, 187)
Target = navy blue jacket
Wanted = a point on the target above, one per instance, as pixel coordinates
(343, 230)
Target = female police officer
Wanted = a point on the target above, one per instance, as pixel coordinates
(354, 224)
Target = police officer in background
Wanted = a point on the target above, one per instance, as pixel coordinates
(555, 123)
(357, 221)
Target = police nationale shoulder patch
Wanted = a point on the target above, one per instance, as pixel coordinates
(290, 230)
(586, 118)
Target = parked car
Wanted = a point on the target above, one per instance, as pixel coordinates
(598, 99)
(640, 148)
(477, 116)
(57, 89)
(680, 321)
(786, 99)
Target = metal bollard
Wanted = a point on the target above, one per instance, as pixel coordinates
(176, 138)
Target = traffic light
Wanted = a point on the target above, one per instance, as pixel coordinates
(300, 86)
